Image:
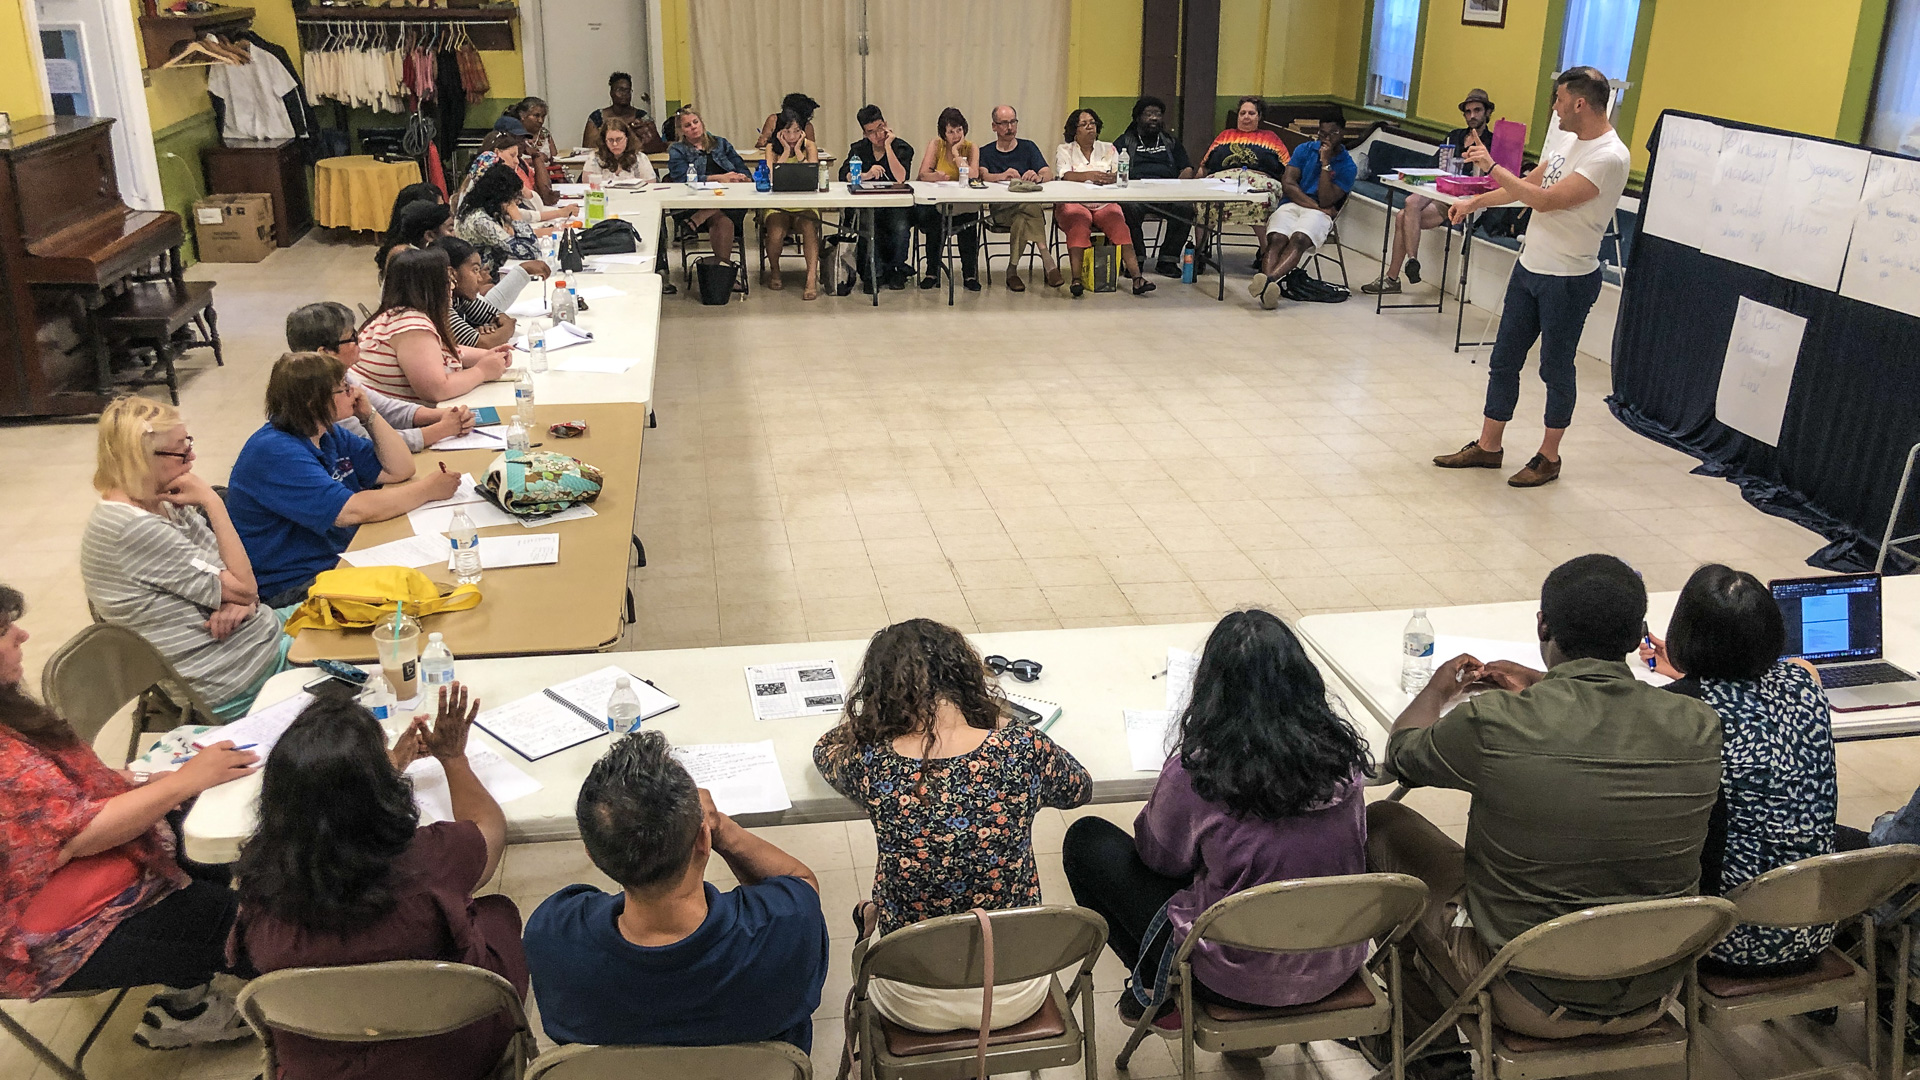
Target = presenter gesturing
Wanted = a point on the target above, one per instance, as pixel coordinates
(1572, 192)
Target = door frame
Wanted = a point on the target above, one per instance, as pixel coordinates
(533, 53)
(125, 99)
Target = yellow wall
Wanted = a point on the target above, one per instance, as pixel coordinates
(1241, 65)
(1105, 49)
(1504, 62)
(1779, 62)
(20, 92)
(1304, 47)
(677, 49)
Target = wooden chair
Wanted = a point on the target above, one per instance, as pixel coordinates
(1307, 915)
(743, 1061)
(158, 317)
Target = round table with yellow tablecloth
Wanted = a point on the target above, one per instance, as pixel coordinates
(357, 192)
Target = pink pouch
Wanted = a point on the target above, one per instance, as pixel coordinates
(1464, 185)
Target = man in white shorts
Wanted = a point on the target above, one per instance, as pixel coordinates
(1319, 175)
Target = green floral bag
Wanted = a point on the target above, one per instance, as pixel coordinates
(535, 482)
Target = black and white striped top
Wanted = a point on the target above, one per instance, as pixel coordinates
(467, 317)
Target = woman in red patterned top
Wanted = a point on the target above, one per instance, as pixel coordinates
(407, 349)
(1251, 155)
(93, 895)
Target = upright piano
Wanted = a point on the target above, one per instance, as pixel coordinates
(66, 240)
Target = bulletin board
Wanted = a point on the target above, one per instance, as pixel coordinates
(1775, 292)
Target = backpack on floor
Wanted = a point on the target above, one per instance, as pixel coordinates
(1302, 287)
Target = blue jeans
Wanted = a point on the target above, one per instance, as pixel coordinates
(1553, 310)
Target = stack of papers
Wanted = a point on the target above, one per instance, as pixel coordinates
(262, 729)
(743, 778)
(502, 779)
(799, 688)
(436, 519)
(1151, 736)
(533, 549)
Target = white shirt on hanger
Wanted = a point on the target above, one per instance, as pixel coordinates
(253, 94)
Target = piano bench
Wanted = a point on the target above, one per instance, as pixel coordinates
(164, 318)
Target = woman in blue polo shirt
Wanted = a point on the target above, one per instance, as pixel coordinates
(303, 484)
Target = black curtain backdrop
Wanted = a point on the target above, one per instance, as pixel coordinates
(1853, 413)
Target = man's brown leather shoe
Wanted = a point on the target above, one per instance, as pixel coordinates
(1538, 471)
(1471, 456)
(1014, 284)
(1055, 278)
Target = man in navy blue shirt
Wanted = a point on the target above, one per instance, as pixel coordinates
(1317, 180)
(670, 959)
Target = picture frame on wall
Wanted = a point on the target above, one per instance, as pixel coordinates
(1491, 13)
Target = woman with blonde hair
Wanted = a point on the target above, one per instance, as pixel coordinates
(160, 557)
(699, 154)
(617, 156)
(952, 790)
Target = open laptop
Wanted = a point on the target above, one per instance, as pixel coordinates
(796, 176)
(1834, 624)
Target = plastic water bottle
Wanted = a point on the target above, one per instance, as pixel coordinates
(1417, 643)
(566, 304)
(696, 172)
(853, 172)
(823, 177)
(1126, 168)
(537, 344)
(964, 173)
(517, 435)
(465, 538)
(1186, 264)
(377, 697)
(762, 178)
(623, 708)
(523, 397)
(436, 660)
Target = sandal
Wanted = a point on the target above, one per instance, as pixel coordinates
(774, 283)
(1076, 288)
(1141, 286)
(812, 293)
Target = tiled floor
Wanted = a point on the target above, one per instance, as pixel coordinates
(1016, 462)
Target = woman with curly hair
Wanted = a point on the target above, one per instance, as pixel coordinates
(952, 790)
(340, 871)
(1266, 785)
(617, 157)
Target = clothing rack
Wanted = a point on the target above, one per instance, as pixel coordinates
(489, 29)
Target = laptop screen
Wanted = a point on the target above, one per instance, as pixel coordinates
(1831, 619)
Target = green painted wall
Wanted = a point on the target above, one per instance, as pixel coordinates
(182, 180)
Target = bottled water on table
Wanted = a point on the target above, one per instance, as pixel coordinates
(523, 397)
(537, 344)
(517, 438)
(1126, 168)
(853, 172)
(964, 174)
(1417, 644)
(465, 540)
(623, 708)
(436, 660)
(566, 304)
(377, 697)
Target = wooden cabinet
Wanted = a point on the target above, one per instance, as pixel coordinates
(273, 167)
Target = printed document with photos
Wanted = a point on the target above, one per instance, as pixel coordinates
(797, 688)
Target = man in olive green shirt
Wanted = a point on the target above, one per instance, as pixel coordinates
(1588, 787)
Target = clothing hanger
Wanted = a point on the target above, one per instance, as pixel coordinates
(198, 54)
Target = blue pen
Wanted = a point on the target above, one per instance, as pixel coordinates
(1653, 662)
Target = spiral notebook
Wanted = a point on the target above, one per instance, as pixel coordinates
(567, 714)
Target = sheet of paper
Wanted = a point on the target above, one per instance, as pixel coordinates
(600, 365)
(1150, 737)
(559, 336)
(570, 190)
(798, 688)
(1181, 666)
(485, 437)
(531, 549)
(619, 260)
(436, 521)
(744, 778)
(1883, 265)
(571, 513)
(1749, 200)
(537, 725)
(502, 779)
(529, 305)
(1758, 373)
(589, 692)
(413, 550)
(1822, 193)
(262, 729)
(599, 292)
(1681, 199)
(467, 492)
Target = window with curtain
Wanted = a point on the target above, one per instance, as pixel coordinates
(1599, 33)
(1894, 123)
(1390, 58)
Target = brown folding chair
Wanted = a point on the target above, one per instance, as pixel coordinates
(1596, 944)
(384, 1002)
(742, 1061)
(1307, 915)
(1819, 891)
(946, 954)
(103, 667)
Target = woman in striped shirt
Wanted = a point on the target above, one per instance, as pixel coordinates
(407, 350)
(474, 322)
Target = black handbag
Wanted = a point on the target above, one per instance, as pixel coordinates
(612, 237)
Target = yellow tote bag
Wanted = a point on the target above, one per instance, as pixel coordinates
(356, 597)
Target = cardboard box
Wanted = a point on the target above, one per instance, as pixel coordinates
(233, 228)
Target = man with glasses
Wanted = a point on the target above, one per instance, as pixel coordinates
(327, 327)
(884, 159)
(1010, 157)
(1154, 153)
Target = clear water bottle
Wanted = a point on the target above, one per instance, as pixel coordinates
(623, 708)
(823, 177)
(376, 696)
(853, 171)
(964, 174)
(1126, 168)
(537, 344)
(517, 438)
(523, 397)
(464, 537)
(1417, 644)
(566, 305)
(696, 172)
(436, 660)
(1187, 263)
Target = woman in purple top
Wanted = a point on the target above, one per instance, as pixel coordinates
(1266, 785)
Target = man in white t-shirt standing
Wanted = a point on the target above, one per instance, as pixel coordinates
(1573, 193)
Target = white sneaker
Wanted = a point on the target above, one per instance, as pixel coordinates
(195, 1017)
(1257, 286)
